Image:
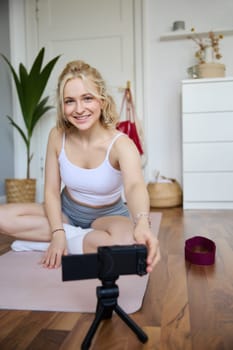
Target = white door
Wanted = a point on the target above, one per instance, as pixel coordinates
(101, 32)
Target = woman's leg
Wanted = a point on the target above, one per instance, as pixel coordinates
(26, 221)
(109, 230)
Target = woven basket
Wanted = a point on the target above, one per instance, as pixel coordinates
(20, 190)
(165, 194)
(211, 70)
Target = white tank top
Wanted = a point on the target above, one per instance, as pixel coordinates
(98, 186)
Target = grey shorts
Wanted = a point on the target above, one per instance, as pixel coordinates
(83, 216)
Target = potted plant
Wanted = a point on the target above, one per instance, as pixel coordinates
(207, 55)
(29, 87)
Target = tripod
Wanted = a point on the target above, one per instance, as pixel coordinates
(107, 295)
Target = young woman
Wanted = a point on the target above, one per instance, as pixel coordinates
(88, 164)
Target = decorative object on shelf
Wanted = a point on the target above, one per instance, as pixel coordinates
(208, 48)
(206, 70)
(211, 70)
(207, 54)
(193, 72)
(178, 25)
(29, 87)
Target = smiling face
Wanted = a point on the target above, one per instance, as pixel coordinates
(81, 108)
(82, 85)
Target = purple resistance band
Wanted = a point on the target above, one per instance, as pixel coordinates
(200, 250)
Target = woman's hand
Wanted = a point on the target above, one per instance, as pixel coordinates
(57, 248)
(144, 235)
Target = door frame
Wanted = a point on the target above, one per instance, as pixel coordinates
(23, 35)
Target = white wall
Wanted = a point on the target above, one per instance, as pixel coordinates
(6, 132)
(166, 66)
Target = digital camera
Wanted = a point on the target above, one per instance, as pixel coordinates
(107, 264)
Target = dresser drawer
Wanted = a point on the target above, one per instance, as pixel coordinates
(216, 187)
(208, 126)
(208, 157)
(207, 96)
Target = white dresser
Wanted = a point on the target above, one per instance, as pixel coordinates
(207, 143)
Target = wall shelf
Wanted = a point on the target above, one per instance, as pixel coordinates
(183, 34)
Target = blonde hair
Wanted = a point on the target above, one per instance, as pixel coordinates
(79, 69)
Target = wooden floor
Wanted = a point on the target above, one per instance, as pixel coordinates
(185, 307)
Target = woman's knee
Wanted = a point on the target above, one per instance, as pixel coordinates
(119, 229)
(112, 223)
(3, 209)
(14, 217)
(4, 217)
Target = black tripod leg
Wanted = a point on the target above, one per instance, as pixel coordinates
(142, 336)
(88, 338)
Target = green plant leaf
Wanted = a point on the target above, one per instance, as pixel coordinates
(36, 67)
(39, 111)
(34, 90)
(30, 87)
(24, 137)
(23, 77)
(15, 77)
(36, 84)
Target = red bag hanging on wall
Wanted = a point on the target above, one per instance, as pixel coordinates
(128, 126)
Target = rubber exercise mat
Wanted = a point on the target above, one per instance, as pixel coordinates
(26, 285)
